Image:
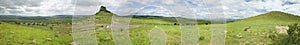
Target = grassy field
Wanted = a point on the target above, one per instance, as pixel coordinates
(21, 35)
(262, 31)
(262, 27)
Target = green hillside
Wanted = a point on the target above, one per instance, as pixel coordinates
(11, 34)
(103, 16)
(273, 17)
(261, 28)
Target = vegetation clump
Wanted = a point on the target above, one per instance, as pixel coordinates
(294, 33)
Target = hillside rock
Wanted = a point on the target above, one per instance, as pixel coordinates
(73, 43)
(49, 39)
(281, 29)
(34, 41)
(102, 9)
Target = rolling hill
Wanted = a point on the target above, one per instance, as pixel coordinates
(104, 17)
(261, 28)
(40, 19)
(273, 17)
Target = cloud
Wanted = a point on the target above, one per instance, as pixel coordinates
(175, 8)
(182, 8)
(112, 3)
(48, 7)
(234, 9)
(155, 11)
(248, 8)
(86, 7)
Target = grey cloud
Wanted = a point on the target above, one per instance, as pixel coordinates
(12, 6)
(20, 2)
(87, 2)
(86, 7)
(15, 11)
(29, 10)
(1, 9)
(47, 7)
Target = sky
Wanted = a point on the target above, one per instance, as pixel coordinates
(201, 9)
(48, 7)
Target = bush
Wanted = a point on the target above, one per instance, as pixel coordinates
(294, 33)
(201, 38)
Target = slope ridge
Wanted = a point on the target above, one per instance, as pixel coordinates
(273, 17)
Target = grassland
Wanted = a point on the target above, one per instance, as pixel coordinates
(35, 30)
(262, 31)
(262, 28)
(21, 35)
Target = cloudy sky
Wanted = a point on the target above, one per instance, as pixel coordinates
(48, 7)
(171, 8)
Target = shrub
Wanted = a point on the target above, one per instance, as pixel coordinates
(294, 33)
(201, 38)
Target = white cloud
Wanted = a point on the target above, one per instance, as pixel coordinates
(243, 8)
(155, 11)
(112, 3)
(183, 8)
(169, 1)
(48, 7)
(165, 7)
